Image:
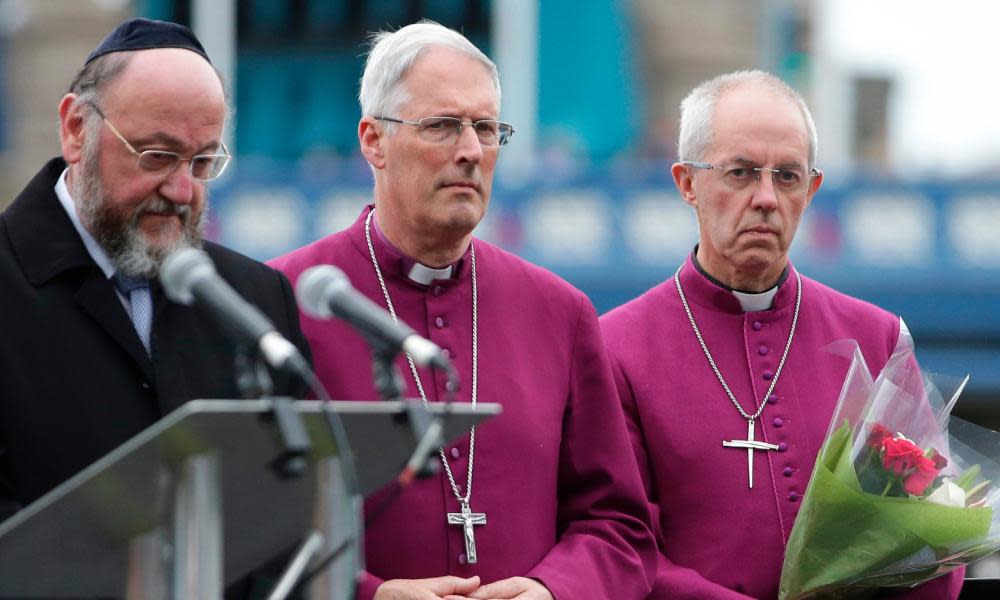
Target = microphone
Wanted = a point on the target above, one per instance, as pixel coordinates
(189, 277)
(324, 291)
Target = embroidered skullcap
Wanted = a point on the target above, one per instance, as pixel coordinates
(145, 34)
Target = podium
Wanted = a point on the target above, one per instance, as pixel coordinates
(196, 502)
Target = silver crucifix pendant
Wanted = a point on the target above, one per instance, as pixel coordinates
(750, 444)
(467, 519)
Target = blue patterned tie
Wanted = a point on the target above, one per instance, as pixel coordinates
(140, 304)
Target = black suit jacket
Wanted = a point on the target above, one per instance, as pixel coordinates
(75, 381)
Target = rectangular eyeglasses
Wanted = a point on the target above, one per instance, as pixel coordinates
(444, 129)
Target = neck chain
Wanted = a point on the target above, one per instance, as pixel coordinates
(466, 518)
(750, 444)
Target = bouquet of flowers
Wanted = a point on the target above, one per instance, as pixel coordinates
(901, 491)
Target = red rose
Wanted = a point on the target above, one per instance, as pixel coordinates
(900, 455)
(906, 460)
(878, 435)
(921, 476)
(940, 462)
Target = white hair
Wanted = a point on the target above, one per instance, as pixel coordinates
(394, 52)
(697, 109)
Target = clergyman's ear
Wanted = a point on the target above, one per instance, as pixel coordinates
(684, 182)
(370, 137)
(814, 183)
(72, 127)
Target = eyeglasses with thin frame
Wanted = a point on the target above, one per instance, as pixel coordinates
(491, 133)
(203, 167)
(788, 180)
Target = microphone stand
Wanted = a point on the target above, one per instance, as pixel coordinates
(295, 576)
(388, 381)
(426, 428)
(254, 381)
(252, 378)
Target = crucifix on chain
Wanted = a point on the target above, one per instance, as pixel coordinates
(467, 519)
(750, 444)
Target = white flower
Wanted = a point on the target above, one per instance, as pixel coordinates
(948, 494)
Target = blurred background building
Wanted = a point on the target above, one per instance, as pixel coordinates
(903, 94)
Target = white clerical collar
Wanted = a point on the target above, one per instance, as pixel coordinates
(93, 248)
(418, 273)
(749, 301)
(425, 275)
(756, 302)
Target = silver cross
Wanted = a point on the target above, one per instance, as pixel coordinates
(467, 519)
(750, 444)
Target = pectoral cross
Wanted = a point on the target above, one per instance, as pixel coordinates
(467, 519)
(750, 444)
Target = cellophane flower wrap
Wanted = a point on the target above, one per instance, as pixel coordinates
(901, 491)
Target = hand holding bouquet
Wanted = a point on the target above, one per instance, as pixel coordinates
(901, 492)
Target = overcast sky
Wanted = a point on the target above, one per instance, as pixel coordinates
(945, 108)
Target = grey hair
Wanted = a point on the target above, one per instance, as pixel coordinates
(93, 77)
(393, 54)
(88, 85)
(697, 109)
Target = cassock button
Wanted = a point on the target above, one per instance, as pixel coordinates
(437, 290)
(446, 352)
(145, 385)
(777, 421)
(762, 350)
(449, 386)
(788, 471)
(767, 375)
(772, 399)
(461, 558)
(440, 322)
(782, 447)
(793, 497)
(757, 325)
(456, 453)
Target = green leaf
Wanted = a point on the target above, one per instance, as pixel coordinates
(970, 495)
(966, 479)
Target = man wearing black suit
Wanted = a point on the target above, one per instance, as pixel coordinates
(81, 367)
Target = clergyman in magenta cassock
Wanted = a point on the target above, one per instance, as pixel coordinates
(555, 502)
(698, 452)
(709, 520)
(554, 473)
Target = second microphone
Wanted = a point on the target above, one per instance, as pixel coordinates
(324, 291)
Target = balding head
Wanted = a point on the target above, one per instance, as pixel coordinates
(698, 110)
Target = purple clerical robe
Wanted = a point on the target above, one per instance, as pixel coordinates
(719, 539)
(554, 473)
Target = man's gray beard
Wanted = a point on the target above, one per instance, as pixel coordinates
(119, 233)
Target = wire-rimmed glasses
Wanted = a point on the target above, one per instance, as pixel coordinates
(442, 129)
(203, 167)
(788, 180)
